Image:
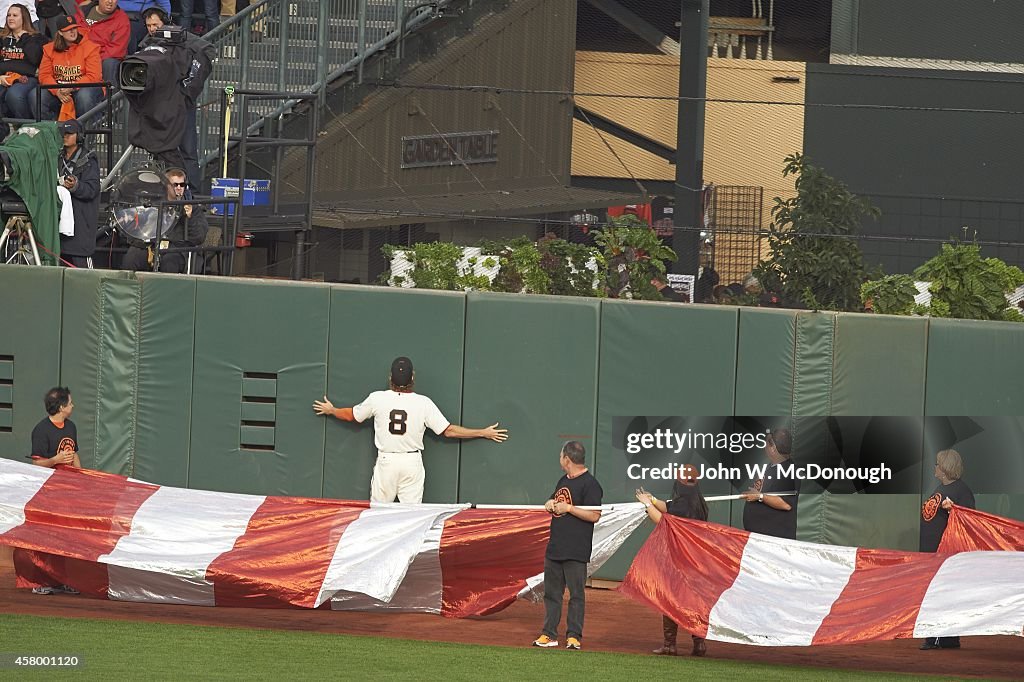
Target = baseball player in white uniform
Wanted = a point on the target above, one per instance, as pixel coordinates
(400, 417)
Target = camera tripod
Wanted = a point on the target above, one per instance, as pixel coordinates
(18, 243)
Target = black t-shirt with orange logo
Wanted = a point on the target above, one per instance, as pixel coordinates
(572, 538)
(48, 439)
(934, 518)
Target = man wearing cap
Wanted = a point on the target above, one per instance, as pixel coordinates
(400, 417)
(189, 230)
(78, 171)
(70, 58)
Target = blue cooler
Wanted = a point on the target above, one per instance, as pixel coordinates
(254, 193)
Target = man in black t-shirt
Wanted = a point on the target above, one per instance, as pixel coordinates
(935, 515)
(55, 442)
(569, 546)
(55, 438)
(769, 514)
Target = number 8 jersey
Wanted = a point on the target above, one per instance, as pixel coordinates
(399, 419)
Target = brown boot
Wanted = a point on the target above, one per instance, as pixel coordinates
(669, 629)
(699, 647)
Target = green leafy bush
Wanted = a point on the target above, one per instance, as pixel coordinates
(810, 262)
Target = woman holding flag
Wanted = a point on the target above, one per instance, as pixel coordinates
(687, 502)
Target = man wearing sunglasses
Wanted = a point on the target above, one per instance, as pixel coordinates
(189, 229)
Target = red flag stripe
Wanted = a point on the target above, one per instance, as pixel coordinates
(486, 556)
(970, 530)
(683, 569)
(283, 556)
(882, 598)
(83, 512)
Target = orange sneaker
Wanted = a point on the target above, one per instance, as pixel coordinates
(573, 643)
(545, 641)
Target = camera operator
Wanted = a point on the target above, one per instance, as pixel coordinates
(79, 173)
(189, 229)
(200, 55)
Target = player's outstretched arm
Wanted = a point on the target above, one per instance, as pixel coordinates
(491, 432)
(326, 408)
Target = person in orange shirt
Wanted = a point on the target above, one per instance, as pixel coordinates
(70, 58)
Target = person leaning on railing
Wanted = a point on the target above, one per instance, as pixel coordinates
(70, 58)
(21, 50)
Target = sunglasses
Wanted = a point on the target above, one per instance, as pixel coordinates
(178, 184)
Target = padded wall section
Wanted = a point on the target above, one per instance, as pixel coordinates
(879, 521)
(531, 363)
(163, 403)
(99, 327)
(30, 337)
(370, 327)
(270, 331)
(975, 370)
(812, 376)
(880, 366)
(661, 360)
(764, 362)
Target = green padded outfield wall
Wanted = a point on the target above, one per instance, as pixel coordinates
(660, 360)
(531, 363)
(370, 327)
(163, 386)
(30, 340)
(977, 369)
(764, 362)
(879, 371)
(99, 326)
(260, 360)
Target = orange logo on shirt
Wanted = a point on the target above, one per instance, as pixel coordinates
(66, 444)
(931, 507)
(563, 495)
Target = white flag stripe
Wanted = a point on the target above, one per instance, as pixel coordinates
(131, 584)
(21, 483)
(974, 593)
(783, 592)
(180, 532)
(420, 592)
(616, 524)
(376, 549)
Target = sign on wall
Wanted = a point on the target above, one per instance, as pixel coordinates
(450, 149)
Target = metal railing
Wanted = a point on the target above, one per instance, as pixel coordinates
(284, 46)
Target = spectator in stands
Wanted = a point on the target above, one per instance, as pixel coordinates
(201, 55)
(30, 6)
(79, 172)
(109, 28)
(70, 58)
(51, 15)
(211, 9)
(21, 50)
(134, 9)
(188, 230)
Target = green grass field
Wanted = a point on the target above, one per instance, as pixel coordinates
(118, 650)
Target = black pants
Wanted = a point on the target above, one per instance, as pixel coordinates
(138, 259)
(557, 576)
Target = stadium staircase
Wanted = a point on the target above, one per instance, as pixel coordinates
(297, 46)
